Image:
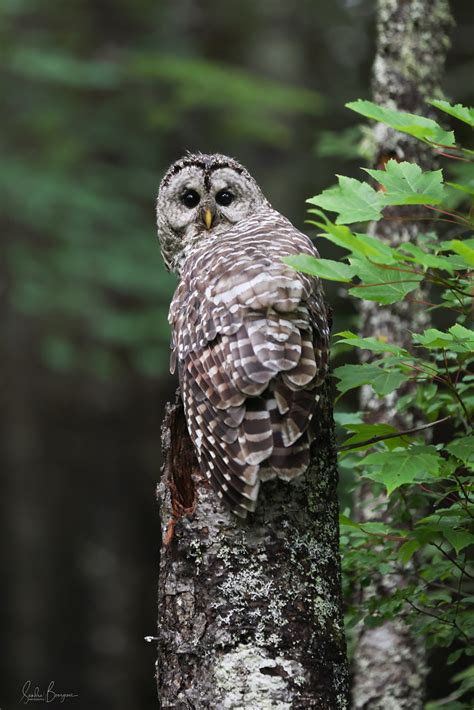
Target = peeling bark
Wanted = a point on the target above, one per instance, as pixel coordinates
(412, 42)
(250, 612)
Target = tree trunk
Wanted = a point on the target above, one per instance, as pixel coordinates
(412, 42)
(250, 612)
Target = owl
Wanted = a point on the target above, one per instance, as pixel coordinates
(250, 335)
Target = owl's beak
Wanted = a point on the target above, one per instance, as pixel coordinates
(207, 217)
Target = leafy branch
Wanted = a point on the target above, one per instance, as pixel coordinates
(431, 372)
(395, 435)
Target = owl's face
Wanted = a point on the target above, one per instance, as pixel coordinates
(202, 195)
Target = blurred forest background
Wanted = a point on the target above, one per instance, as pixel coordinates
(99, 97)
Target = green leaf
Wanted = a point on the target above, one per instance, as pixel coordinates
(406, 184)
(376, 345)
(383, 285)
(458, 339)
(462, 448)
(372, 621)
(368, 430)
(462, 113)
(462, 334)
(462, 188)
(361, 244)
(357, 243)
(377, 528)
(427, 533)
(347, 419)
(418, 126)
(324, 268)
(338, 234)
(364, 432)
(397, 468)
(464, 248)
(455, 655)
(433, 338)
(445, 517)
(354, 201)
(407, 550)
(381, 380)
(459, 539)
(344, 520)
(418, 256)
(376, 250)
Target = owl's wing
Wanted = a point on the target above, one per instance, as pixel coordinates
(250, 336)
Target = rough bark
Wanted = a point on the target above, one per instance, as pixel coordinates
(412, 42)
(250, 612)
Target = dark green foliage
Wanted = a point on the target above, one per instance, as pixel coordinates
(429, 486)
(89, 122)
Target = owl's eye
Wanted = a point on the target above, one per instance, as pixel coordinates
(224, 198)
(190, 199)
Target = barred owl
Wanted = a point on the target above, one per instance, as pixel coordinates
(250, 335)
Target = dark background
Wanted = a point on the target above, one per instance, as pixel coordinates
(99, 97)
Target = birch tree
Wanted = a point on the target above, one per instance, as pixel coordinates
(412, 42)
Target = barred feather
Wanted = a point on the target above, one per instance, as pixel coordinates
(250, 336)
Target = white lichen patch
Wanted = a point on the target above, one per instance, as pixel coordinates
(309, 557)
(249, 592)
(310, 548)
(324, 608)
(247, 679)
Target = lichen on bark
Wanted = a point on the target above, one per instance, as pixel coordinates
(250, 612)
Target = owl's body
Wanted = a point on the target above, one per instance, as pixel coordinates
(249, 336)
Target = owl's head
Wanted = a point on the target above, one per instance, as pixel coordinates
(202, 195)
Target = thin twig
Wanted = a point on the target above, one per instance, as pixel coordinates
(453, 562)
(466, 495)
(395, 435)
(457, 216)
(428, 613)
(468, 422)
(438, 618)
(453, 157)
(385, 283)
